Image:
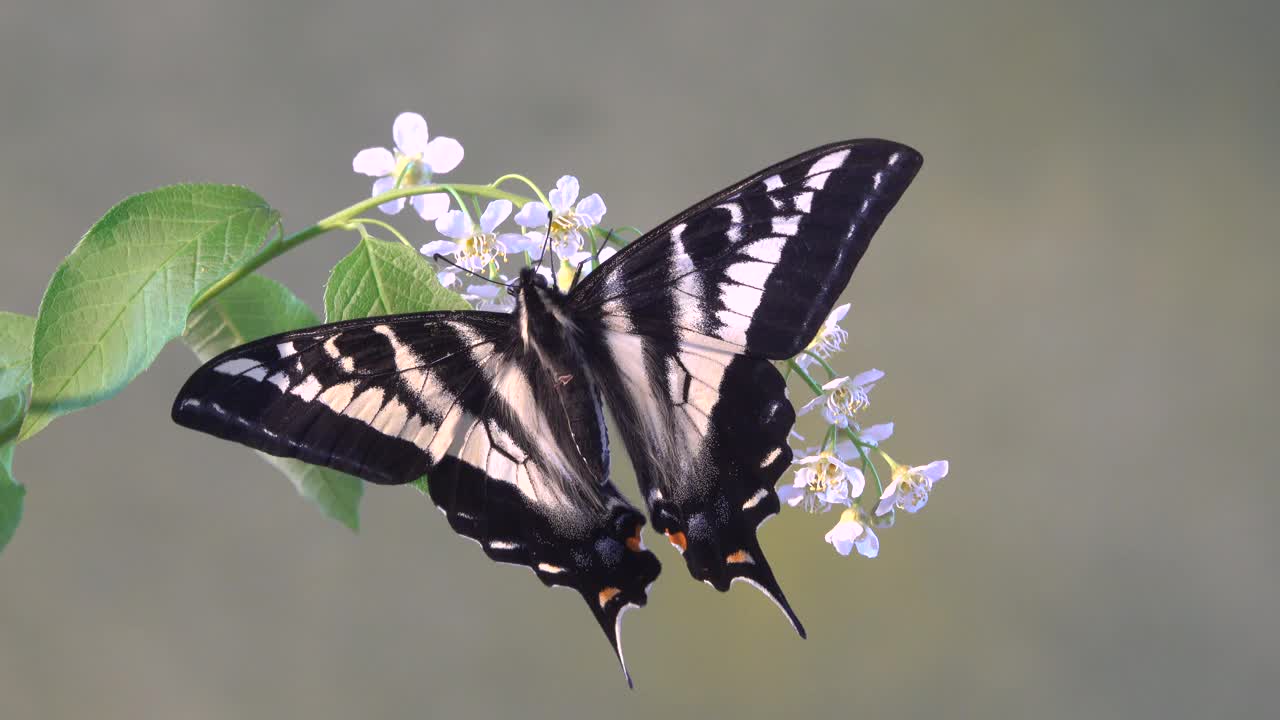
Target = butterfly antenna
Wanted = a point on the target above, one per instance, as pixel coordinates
(438, 256)
(546, 242)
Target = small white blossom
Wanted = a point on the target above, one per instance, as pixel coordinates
(414, 160)
(844, 397)
(829, 340)
(473, 247)
(568, 221)
(851, 532)
(911, 486)
(823, 480)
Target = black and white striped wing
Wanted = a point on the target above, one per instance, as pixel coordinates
(515, 460)
(685, 321)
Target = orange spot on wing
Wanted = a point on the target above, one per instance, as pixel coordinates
(633, 542)
(607, 594)
(741, 556)
(679, 540)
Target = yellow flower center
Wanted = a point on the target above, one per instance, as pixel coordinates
(563, 223)
(410, 170)
(911, 488)
(826, 474)
(481, 246)
(846, 401)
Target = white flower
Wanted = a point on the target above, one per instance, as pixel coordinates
(829, 339)
(843, 397)
(823, 480)
(851, 532)
(911, 486)
(568, 220)
(473, 247)
(415, 159)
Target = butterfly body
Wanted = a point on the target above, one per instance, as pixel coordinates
(675, 336)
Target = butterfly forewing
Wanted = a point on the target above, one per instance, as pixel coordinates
(517, 460)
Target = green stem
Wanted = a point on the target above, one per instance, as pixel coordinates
(866, 461)
(813, 384)
(830, 440)
(384, 225)
(526, 181)
(831, 372)
(339, 220)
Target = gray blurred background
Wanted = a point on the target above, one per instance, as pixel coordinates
(1074, 304)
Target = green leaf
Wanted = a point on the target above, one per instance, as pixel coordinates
(253, 308)
(12, 494)
(384, 278)
(15, 352)
(127, 287)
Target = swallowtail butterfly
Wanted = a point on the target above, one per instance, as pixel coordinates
(504, 413)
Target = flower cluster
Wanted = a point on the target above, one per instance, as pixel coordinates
(834, 474)
(559, 222)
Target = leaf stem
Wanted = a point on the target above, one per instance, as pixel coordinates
(526, 181)
(341, 219)
(384, 225)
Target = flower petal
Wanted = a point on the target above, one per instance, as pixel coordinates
(442, 155)
(410, 133)
(837, 382)
(533, 214)
(374, 162)
(484, 291)
(513, 243)
(809, 406)
(579, 256)
(446, 277)
(842, 535)
(838, 314)
(791, 495)
(876, 434)
(454, 224)
(382, 185)
(935, 470)
(884, 506)
(868, 377)
(565, 194)
(536, 242)
(591, 209)
(606, 253)
(857, 482)
(442, 247)
(494, 213)
(431, 205)
(868, 544)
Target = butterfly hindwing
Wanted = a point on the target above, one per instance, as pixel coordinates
(516, 459)
(686, 319)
